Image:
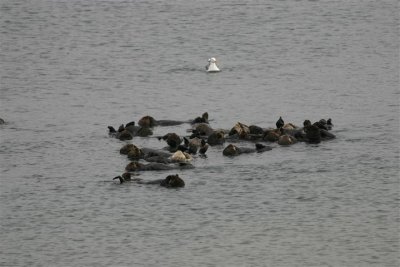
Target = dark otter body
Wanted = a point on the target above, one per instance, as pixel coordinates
(232, 150)
(202, 119)
(201, 129)
(193, 145)
(173, 140)
(171, 181)
(121, 134)
(148, 154)
(216, 138)
(156, 166)
(315, 133)
(148, 121)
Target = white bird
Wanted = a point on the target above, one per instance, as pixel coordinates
(212, 66)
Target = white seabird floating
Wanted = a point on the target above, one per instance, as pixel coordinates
(212, 65)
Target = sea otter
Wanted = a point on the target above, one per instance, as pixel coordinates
(286, 140)
(201, 130)
(173, 140)
(195, 144)
(216, 138)
(135, 153)
(150, 122)
(241, 130)
(156, 166)
(317, 132)
(128, 132)
(171, 181)
(244, 132)
(272, 135)
(232, 150)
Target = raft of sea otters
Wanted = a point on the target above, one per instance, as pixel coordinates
(180, 149)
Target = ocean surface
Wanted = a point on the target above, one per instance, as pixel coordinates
(70, 68)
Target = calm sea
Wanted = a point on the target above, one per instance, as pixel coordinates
(70, 68)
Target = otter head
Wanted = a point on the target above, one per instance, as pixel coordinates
(307, 123)
(180, 156)
(135, 153)
(285, 140)
(216, 138)
(147, 122)
(203, 129)
(126, 148)
(240, 129)
(289, 126)
(172, 139)
(173, 181)
(202, 119)
(230, 150)
(133, 166)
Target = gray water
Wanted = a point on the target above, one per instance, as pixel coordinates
(71, 68)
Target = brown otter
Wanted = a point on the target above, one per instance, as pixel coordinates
(286, 140)
(128, 132)
(156, 166)
(173, 140)
(202, 119)
(232, 150)
(201, 129)
(272, 135)
(241, 130)
(195, 144)
(150, 122)
(171, 181)
(216, 138)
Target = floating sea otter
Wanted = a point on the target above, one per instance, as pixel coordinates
(156, 166)
(173, 140)
(195, 144)
(149, 154)
(242, 131)
(317, 132)
(232, 150)
(171, 181)
(286, 140)
(150, 122)
(129, 131)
